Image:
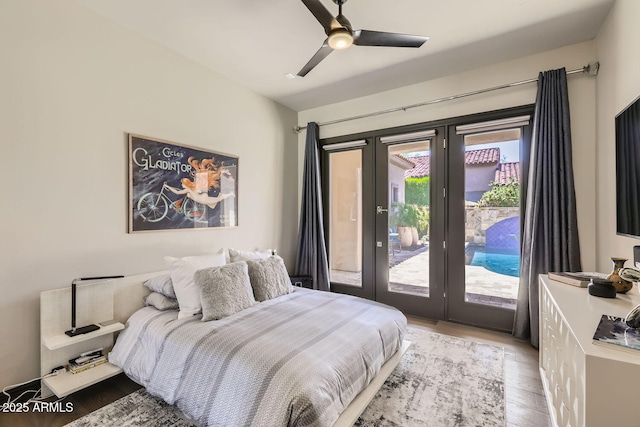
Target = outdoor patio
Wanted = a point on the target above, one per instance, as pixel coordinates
(409, 273)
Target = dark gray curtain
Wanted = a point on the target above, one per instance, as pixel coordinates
(311, 259)
(550, 235)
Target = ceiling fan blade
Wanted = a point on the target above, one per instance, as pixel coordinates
(379, 38)
(321, 13)
(322, 53)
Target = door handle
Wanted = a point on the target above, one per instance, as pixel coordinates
(380, 209)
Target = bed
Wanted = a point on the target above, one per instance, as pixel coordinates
(296, 360)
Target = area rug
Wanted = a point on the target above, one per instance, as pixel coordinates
(441, 381)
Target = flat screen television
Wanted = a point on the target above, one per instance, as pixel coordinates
(628, 170)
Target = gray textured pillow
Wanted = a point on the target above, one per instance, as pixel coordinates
(269, 278)
(224, 290)
(161, 302)
(161, 284)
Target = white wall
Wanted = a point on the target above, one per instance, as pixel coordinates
(581, 99)
(73, 84)
(618, 85)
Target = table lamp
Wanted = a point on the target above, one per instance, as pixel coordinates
(89, 328)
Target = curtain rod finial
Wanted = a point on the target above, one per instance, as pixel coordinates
(592, 68)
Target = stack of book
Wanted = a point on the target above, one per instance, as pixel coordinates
(580, 279)
(87, 360)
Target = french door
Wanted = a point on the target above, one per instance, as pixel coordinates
(409, 248)
(486, 188)
(376, 250)
(407, 225)
(348, 193)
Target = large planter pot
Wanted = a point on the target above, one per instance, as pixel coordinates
(406, 236)
(414, 236)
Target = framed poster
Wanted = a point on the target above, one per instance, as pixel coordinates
(175, 187)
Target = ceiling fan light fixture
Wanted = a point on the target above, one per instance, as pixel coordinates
(340, 38)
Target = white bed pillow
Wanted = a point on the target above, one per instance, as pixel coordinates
(269, 278)
(161, 284)
(160, 302)
(224, 290)
(182, 271)
(236, 255)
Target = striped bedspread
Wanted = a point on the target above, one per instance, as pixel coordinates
(296, 360)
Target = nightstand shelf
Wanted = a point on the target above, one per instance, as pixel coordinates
(94, 305)
(55, 342)
(67, 383)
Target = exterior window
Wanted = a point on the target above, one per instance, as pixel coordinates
(394, 193)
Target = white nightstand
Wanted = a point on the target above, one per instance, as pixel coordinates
(94, 304)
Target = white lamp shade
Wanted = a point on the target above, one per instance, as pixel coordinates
(340, 38)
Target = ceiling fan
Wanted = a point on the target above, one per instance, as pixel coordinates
(341, 35)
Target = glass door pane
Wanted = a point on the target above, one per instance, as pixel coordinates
(409, 184)
(492, 217)
(345, 217)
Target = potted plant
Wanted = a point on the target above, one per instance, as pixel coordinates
(423, 222)
(405, 217)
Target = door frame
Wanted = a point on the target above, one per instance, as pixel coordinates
(433, 306)
(441, 234)
(368, 205)
(458, 310)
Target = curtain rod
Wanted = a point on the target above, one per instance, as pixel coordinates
(589, 69)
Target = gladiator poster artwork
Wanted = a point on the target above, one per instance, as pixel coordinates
(177, 187)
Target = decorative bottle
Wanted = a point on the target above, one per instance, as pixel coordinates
(619, 283)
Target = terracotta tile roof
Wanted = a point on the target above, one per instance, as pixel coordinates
(506, 171)
(422, 168)
(473, 157)
(482, 157)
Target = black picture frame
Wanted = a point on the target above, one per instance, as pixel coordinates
(173, 186)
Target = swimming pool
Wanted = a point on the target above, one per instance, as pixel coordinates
(507, 264)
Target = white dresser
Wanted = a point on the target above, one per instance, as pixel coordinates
(586, 384)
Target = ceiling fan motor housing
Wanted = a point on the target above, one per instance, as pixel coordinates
(344, 22)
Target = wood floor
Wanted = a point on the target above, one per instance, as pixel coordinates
(525, 402)
(84, 402)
